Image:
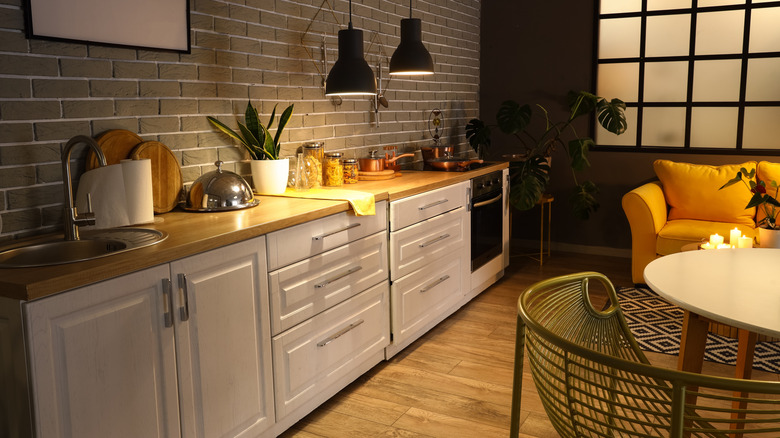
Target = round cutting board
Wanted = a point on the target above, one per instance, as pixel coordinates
(116, 144)
(166, 174)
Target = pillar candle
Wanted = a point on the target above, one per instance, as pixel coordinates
(745, 242)
(734, 236)
(716, 239)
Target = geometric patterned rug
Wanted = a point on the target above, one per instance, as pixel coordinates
(657, 326)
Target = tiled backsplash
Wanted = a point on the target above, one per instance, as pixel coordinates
(51, 91)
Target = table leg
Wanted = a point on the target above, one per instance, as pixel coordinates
(692, 343)
(745, 352)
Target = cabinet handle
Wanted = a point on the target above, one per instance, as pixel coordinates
(431, 242)
(435, 283)
(338, 277)
(167, 302)
(338, 334)
(348, 227)
(184, 310)
(433, 204)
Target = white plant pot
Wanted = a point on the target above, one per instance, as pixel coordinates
(768, 238)
(270, 176)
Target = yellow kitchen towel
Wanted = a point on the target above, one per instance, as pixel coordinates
(362, 202)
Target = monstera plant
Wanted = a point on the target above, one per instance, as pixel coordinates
(530, 173)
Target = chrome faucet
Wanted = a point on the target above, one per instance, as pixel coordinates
(72, 219)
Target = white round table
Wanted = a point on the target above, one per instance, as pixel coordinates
(738, 287)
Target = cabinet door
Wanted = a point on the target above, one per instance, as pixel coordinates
(101, 360)
(223, 341)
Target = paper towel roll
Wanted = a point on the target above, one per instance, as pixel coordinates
(121, 194)
(137, 175)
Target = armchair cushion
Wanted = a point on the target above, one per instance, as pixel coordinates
(692, 192)
(678, 233)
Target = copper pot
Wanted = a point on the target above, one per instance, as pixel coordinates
(451, 164)
(375, 163)
(439, 151)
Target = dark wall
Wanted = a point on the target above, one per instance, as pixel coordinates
(534, 52)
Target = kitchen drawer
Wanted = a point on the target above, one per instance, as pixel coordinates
(414, 246)
(413, 209)
(425, 295)
(302, 241)
(304, 289)
(317, 353)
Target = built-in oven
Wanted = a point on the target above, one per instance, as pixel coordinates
(487, 216)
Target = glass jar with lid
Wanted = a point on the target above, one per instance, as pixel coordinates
(313, 153)
(350, 170)
(333, 173)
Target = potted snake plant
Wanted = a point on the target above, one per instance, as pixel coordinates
(269, 170)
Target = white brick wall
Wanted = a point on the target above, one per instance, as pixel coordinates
(51, 91)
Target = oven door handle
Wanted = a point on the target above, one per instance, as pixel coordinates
(489, 201)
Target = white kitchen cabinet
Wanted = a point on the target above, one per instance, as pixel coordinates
(223, 341)
(131, 357)
(101, 360)
(429, 253)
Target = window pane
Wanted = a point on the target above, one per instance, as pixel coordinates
(663, 127)
(628, 138)
(618, 81)
(719, 32)
(705, 3)
(614, 6)
(761, 129)
(666, 81)
(716, 81)
(668, 35)
(714, 127)
(762, 79)
(764, 30)
(619, 38)
(662, 5)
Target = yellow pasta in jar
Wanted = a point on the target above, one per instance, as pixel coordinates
(333, 174)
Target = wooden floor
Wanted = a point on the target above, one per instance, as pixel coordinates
(456, 381)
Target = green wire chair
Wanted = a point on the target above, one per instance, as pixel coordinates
(594, 381)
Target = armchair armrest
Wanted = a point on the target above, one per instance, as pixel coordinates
(646, 210)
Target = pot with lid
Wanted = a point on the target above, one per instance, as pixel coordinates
(376, 163)
(220, 190)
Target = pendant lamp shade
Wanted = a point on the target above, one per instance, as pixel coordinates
(411, 57)
(351, 74)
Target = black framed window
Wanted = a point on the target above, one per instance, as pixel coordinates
(696, 75)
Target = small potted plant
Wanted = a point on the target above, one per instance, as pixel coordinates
(530, 173)
(269, 171)
(768, 228)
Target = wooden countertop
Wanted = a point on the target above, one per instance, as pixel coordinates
(192, 233)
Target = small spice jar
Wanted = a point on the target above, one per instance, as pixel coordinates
(313, 154)
(350, 170)
(333, 173)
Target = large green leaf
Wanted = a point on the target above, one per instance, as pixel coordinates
(513, 117)
(583, 200)
(251, 142)
(581, 103)
(283, 119)
(529, 181)
(578, 153)
(252, 120)
(224, 128)
(611, 115)
(477, 133)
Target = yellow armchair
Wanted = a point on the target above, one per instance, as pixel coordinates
(686, 206)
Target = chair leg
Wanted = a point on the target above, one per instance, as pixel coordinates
(517, 385)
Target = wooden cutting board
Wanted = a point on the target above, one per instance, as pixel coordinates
(383, 175)
(376, 173)
(116, 144)
(166, 174)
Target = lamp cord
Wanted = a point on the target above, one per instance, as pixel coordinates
(350, 14)
(410, 8)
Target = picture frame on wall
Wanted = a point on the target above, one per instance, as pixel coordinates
(145, 24)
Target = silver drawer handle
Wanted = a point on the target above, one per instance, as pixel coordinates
(433, 204)
(348, 227)
(339, 277)
(431, 242)
(167, 303)
(338, 334)
(184, 309)
(434, 284)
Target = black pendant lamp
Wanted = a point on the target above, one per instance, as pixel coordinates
(350, 75)
(411, 57)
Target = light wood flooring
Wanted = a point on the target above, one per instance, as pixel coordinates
(456, 381)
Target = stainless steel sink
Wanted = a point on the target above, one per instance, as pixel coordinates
(91, 245)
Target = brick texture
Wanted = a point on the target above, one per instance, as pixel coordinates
(51, 91)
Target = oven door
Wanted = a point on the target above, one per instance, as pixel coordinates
(486, 227)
